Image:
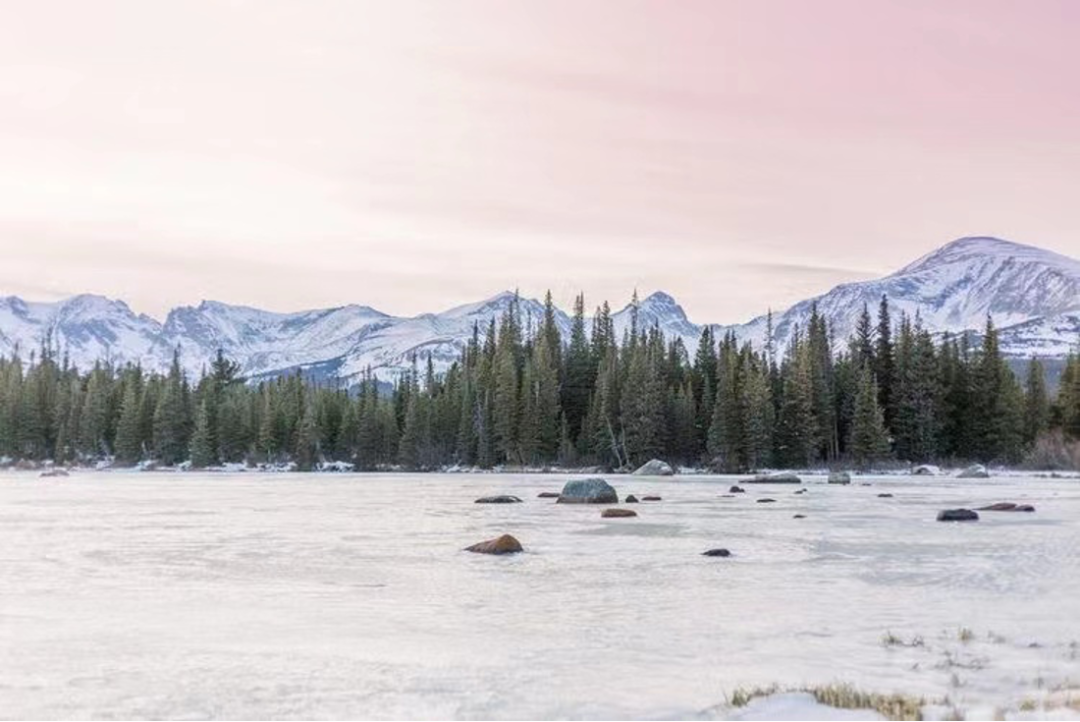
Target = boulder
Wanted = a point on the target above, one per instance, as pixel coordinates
(839, 477)
(505, 499)
(1007, 506)
(716, 553)
(799, 516)
(766, 500)
(655, 468)
(505, 544)
(651, 498)
(588, 491)
(548, 495)
(926, 470)
(776, 477)
(617, 513)
(800, 491)
(631, 499)
(736, 490)
(975, 471)
(884, 496)
(957, 515)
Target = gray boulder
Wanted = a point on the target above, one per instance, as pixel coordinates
(655, 468)
(588, 491)
(975, 471)
(957, 515)
(839, 477)
(504, 499)
(926, 470)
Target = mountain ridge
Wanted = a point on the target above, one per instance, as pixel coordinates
(1032, 294)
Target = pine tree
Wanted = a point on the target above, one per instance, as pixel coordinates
(869, 440)
(1036, 403)
(202, 440)
(129, 438)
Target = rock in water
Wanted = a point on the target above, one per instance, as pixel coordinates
(884, 496)
(839, 477)
(1007, 506)
(716, 553)
(498, 500)
(766, 501)
(548, 495)
(655, 468)
(631, 499)
(505, 544)
(799, 516)
(975, 471)
(926, 470)
(736, 490)
(617, 513)
(54, 472)
(777, 477)
(651, 498)
(957, 515)
(588, 491)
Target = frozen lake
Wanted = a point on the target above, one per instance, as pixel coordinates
(325, 596)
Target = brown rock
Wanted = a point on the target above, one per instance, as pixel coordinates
(505, 544)
(1007, 506)
(617, 513)
(548, 495)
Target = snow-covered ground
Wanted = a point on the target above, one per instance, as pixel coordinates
(328, 596)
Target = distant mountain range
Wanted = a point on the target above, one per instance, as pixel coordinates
(1033, 295)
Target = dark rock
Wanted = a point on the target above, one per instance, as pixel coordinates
(588, 491)
(631, 499)
(548, 495)
(800, 491)
(716, 553)
(505, 499)
(736, 490)
(505, 544)
(926, 470)
(651, 498)
(884, 496)
(766, 500)
(727, 496)
(54, 472)
(617, 513)
(799, 516)
(957, 515)
(1007, 506)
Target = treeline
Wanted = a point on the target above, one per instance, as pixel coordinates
(521, 395)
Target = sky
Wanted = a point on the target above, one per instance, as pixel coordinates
(413, 155)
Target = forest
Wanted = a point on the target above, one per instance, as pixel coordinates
(522, 396)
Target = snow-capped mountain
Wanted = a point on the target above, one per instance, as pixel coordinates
(954, 289)
(1033, 296)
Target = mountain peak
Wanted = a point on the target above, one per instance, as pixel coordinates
(985, 248)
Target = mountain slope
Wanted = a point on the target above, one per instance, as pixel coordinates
(1033, 296)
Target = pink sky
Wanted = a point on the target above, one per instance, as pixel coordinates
(413, 155)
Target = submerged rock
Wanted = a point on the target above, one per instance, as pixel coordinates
(957, 515)
(716, 553)
(631, 499)
(617, 513)
(1007, 506)
(975, 471)
(839, 477)
(736, 490)
(926, 470)
(776, 477)
(655, 467)
(588, 491)
(504, 499)
(884, 496)
(799, 516)
(54, 472)
(505, 544)
(548, 495)
(800, 491)
(651, 498)
(766, 500)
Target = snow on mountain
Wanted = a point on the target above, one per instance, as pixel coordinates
(1033, 296)
(85, 328)
(954, 289)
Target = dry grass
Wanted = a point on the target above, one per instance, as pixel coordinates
(891, 640)
(843, 696)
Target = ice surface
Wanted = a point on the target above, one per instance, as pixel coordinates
(186, 595)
